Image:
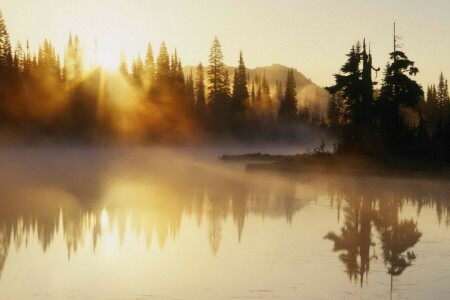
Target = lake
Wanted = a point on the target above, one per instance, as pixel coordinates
(163, 224)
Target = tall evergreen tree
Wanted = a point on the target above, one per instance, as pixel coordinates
(216, 72)
(218, 84)
(137, 71)
(441, 93)
(123, 66)
(288, 107)
(19, 62)
(149, 66)
(240, 91)
(266, 98)
(162, 66)
(333, 112)
(190, 92)
(398, 91)
(200, 92)
(6, 56)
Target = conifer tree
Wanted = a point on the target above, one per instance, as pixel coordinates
(149, 66)
(316, 113)
(240, 91)
(200, 91)
(162, 66)
(123, 66)
(441, 93)
(78, 58)
(19, 62)
(219, 84)
(6, 56)
(288, 107)
(253, 96)
(190, 92)
(137, 71)
(398, 91)
(265, 95)
(333, 113)
(216, 72)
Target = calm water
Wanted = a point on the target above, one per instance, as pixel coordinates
(155, 224)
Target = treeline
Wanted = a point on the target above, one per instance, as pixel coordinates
(393, 120)
(44, 95)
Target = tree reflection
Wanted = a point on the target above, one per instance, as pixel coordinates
(355, 239)
(153, 205)
(396, 236)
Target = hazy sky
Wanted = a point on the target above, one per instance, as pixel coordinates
(310, 35)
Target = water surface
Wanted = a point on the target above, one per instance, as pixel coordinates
(160, 224)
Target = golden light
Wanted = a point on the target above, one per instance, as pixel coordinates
(103, 55)
(104, 220)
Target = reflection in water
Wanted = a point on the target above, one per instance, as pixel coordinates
(355, 238)
(151, 200)
(375, 205)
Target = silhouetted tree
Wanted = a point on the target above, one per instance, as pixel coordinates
(334, 113)
(162, 66)
(398, 92)
(219, 87)
(240, 92)
(123, 66)
(137, 71)
(6, 56)
(149, 66)
(190, 93)
(288, 107)
(200, 93)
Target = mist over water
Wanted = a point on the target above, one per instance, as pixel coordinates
(137, 222)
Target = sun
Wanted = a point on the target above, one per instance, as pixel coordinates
(105, 55)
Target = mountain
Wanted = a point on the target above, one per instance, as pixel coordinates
(307, 90)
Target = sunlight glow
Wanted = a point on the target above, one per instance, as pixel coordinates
(100, 54)
(104, 220)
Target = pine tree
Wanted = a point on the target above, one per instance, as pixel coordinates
(27, 62)
(240, 91)
(190, 92)
(304, 114)
(149, 66)
(78, 58)
(279, 92)
(73, 62)
(265, 94)
(355, 87)
(162, 66)
(19, 62)
(6, 56)
(219, 90)
(258, 99)
(137, 71)
(441, 94)
(200, 91)
(316, 113)
(288, 107)
(216, 72)
(333, 113)
(123, 66)
(226, 89)
(348, 82)
(253, 96)
(398, 91)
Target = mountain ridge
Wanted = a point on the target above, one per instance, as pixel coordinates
(308, 92)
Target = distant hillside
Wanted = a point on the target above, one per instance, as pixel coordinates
(306, 89)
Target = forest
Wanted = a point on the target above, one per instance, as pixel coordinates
(46, 97)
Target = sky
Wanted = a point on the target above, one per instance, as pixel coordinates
(312, 36)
